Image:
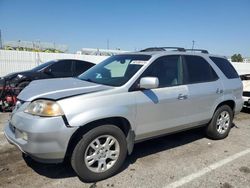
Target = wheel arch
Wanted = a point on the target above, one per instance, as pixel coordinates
(230, 103)
(120, 122)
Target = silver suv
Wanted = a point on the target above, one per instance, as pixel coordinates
(96, 119)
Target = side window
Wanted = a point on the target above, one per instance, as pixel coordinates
(61, 67)
(81, 66)
(198, 70)
(167, 69)
(226, 67)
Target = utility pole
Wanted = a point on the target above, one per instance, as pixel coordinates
(193, 45)
(1, 43)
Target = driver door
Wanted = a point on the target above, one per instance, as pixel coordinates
(163, 109)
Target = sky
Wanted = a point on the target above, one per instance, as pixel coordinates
(220, 26)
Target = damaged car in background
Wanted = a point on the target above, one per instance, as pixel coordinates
(12, 84)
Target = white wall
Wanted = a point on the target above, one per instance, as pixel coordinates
(242, 68)
(13, 61)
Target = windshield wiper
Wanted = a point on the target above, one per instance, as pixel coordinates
(88, 80)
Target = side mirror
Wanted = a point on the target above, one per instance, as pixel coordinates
(149, 83)
(47, 71)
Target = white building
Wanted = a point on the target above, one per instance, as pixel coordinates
(99, 52)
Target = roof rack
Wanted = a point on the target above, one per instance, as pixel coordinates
(163, 49)
(151, 49)
(198, 50)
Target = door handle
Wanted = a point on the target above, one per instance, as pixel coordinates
(182, 97)
(219, 91)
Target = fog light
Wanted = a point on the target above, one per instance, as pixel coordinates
(22, 135)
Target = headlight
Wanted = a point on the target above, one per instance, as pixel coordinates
(44, 108)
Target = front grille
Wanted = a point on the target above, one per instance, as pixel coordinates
(246, 94)
(246, 104)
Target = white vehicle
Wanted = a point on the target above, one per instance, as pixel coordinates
(246, 89)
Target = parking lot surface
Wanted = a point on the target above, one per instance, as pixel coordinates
(186, 159)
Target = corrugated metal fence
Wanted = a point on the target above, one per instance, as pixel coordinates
(13, 61)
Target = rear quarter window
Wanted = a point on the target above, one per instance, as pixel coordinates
(226, 67)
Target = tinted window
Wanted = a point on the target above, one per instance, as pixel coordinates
(61, 66)
(40, 67)
(82, 66)
(226, 67)
(197, 70)
(167, 69)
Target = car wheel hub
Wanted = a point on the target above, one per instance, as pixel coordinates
(102, 153)
(223, 122)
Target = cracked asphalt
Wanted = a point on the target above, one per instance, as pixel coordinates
(186, 159)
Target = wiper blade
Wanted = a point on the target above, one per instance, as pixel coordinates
(88, 80)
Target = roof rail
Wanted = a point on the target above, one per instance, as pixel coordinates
(152, 49)
(163, 49)
(198, 50)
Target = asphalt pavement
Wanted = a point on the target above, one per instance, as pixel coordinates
(186, 159)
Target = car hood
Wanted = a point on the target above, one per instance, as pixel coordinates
(59, 88)
(15, 74)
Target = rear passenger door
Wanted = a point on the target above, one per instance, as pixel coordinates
(204, 89)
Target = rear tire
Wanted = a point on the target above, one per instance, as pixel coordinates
(100, 153)
(221, 123)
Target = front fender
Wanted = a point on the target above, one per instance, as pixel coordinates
(83, 109)
(100, 113)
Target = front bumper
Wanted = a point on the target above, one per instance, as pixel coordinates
(43, 138)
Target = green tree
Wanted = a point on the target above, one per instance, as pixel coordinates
(237, 58)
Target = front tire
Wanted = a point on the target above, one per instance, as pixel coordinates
(221, 123)
(100, 153)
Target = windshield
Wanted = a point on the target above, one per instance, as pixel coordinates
(39, 67)
(116, 70)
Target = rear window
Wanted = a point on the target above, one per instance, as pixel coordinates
(226, 67)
